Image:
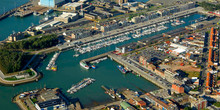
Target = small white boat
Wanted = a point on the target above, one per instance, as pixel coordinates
(76, 55)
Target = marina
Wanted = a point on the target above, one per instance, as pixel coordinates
(85, 82)
(118, 38)
(177, 23)
(101, 44)
(127, 30)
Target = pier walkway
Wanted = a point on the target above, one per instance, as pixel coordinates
(129, 28)
(88, 60)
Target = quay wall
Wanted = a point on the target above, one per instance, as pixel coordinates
(10, 12)
(126, 64)
(88, 60)
(137, 70)
(37, 77)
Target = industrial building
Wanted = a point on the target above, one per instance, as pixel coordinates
(54, 104)
(51, 100)
(47, 25)
(121, 1)
(16, 36)
(178, 48)
(67, 17)
(82, 1)
(80, 33)
(73, 6)
(51, 3)
(162, 105)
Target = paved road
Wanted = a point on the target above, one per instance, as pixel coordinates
(2, 74)
(204, 65)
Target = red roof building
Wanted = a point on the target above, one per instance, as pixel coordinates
(178, 88)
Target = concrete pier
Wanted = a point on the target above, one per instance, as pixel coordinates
(88, 60)
(11, 12)
(36, 77)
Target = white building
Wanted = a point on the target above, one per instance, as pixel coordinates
(178, 48)
(47, 25)
(66, 17)
(73, 6)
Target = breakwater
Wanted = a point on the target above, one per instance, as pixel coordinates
(12, 11)
(36, 77)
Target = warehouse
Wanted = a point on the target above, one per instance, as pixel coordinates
(66, 17)
(73, 6)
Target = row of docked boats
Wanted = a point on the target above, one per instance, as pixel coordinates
(177, 23)
(85, 82)
(91, 46)
(101, 44)
(147, 31)
(52, 64)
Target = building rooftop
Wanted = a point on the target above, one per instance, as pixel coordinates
(162, 103)
(126, 106)
(74, 4)
(49, 95)
(67, 15)
(49, 103)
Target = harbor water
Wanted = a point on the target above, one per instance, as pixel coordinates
(69, 71)
(15, 24)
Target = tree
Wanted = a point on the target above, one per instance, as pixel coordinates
(187, 108)
(11, 61)
(34, 44)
